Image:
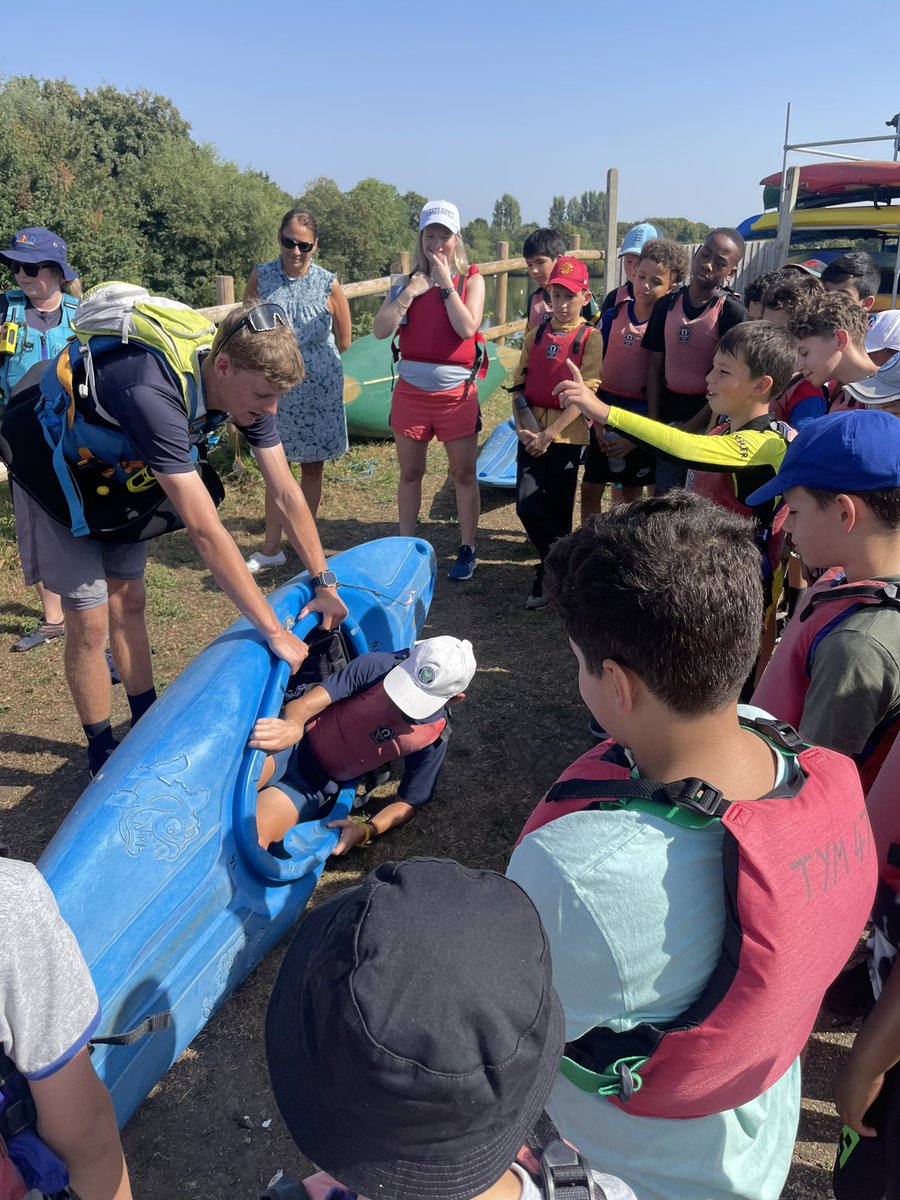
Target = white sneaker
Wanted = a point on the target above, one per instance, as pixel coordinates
(260, 562)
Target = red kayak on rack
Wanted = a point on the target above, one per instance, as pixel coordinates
(825, 183)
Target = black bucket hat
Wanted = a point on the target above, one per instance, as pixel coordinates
(413, 1034)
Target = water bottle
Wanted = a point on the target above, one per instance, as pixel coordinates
(526, 418)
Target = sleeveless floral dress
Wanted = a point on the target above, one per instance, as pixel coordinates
(310, 418)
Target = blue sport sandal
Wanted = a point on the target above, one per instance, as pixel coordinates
(464, 567)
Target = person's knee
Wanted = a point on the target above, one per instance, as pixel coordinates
(311, 471)
(412, 474)
(86, 628)
(463, 474)
(128, 598)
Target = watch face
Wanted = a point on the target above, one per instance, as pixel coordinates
(325, 579)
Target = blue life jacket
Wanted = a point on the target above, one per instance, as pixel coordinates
(39, 1167)
(33, 345)
(88, 445)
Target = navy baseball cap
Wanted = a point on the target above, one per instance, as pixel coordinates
(857, 451)
(36, 245)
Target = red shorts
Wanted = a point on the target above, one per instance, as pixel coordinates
(421, 415)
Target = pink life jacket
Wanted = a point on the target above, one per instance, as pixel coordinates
(428, 336)
(797, 390)
(539, 309)
(799, 871)
(883, 804)
(358, 734)
(785, 682)
(725, 488)
(690, 345)
(625, 361)
(547, 362)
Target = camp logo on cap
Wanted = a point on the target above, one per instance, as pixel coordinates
(24, 240)
(425, 675)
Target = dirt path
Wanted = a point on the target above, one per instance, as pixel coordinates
(200, 1134)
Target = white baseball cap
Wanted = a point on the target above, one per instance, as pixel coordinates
(881, 388)
(440, 212)
(884, 332)
(437, 669)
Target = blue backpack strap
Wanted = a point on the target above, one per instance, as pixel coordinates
(52, 412)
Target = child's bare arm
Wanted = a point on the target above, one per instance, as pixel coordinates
(278, 733)
(875, 1051)
(656, 373)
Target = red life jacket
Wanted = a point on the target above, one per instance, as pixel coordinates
(12, 1185)
(428, 336)
(785, 682)
(690, 345)
(883, 804)
(625, 361)
(799, 872)
(547, 362)
(797, 390)
(839, 399)
(367, 729)
(726, 488)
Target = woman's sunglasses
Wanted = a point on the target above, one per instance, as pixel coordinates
(30, 269)
(290, 244)
(261, 319)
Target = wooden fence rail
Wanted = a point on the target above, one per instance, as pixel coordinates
(380, 287)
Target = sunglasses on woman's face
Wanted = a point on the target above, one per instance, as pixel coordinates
(30, 269)
(290, 244)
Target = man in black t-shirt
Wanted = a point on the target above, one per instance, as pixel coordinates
(102, 583)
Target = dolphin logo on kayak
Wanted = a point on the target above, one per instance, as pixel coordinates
(159, 814)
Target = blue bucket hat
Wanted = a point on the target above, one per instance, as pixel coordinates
(636, 237)
(36, 245)
(857, 451)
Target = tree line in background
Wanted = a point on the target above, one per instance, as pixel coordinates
(136, 198)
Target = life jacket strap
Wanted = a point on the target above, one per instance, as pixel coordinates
(886, 594)
(691, 803)
(621, 1079)
(18, 1114)
(151, 1024)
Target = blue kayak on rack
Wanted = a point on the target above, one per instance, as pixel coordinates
(496, 465)
(157, 868)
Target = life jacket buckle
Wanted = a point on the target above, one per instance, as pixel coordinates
(563, 1169)
(697, 796)
(626, 1081)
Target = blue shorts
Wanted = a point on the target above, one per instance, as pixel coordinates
(288, 777)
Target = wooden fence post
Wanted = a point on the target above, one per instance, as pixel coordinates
(576, 241)
(224, 289)
(400, 263)
(612, 218)
(502, 289)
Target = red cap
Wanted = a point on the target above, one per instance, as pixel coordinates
(571, 273)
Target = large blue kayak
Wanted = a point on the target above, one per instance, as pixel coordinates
(157, 868)
(496, 465)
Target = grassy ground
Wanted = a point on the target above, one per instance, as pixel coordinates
(200, 1134)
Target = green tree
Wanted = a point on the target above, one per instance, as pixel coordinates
(557, 212)
(507, 217)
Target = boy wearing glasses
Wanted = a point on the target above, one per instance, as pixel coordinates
(252, 361)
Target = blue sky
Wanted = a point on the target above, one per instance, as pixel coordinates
(472, 100)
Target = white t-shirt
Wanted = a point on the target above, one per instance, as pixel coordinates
(48, 1005)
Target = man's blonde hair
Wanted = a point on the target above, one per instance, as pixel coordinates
(273, 352)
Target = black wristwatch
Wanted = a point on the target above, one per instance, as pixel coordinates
(325, 579)
(445, 292)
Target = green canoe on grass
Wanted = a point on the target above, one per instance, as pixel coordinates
(368, 383)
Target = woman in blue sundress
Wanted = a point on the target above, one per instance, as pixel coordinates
(311, 418)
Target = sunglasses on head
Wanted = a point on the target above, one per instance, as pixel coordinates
(30, 269)
(290, 244)
(261, 319)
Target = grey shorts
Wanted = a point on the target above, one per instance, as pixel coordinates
(76, 568)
